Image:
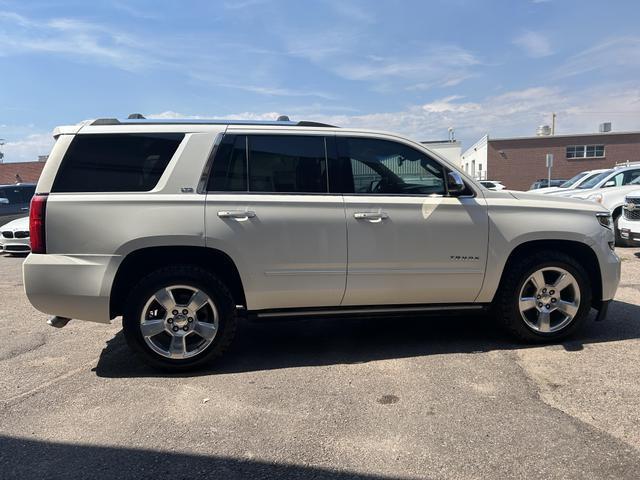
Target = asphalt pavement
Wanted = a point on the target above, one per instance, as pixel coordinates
(438, 397)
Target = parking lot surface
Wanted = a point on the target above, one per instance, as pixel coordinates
(441, 397)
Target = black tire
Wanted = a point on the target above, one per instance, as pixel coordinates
(519, 272)
(180, 275)
(620, 242)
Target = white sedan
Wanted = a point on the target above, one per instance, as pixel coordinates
(14, 236)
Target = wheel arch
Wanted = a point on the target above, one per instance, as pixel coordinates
(143, 261)
(582, 252)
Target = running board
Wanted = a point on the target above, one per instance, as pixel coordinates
(368, 311)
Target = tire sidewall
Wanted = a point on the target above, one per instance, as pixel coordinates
(164, 278)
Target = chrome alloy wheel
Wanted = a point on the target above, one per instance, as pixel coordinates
(549, 300)
(179, 322)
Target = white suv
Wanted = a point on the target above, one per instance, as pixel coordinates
(183, 227)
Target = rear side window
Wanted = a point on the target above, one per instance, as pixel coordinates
(229, 169)
(272, 164)
(287, 163)
(115, 162)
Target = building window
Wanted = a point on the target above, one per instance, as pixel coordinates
(585, 151)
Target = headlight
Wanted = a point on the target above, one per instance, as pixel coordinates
(605, 220)
(595, 198)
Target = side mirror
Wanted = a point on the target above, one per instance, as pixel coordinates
(610, 183)
(455, 184)
(4, 201)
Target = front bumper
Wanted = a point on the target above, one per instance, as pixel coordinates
(15, 245)
(73, 286)
(629, 229)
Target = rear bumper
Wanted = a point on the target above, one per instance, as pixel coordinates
(73, 286)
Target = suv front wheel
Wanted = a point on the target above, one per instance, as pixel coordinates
(179, 317)
(545, 297)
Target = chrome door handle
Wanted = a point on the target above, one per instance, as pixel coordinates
(371, 216)
(237, 214)
(24, 209)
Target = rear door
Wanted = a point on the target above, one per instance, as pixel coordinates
(409, 243)
(269, 208)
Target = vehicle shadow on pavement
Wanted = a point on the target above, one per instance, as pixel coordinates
(22, 458)
(287, 344)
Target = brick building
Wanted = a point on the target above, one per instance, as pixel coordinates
(518, 162)
(20, 172)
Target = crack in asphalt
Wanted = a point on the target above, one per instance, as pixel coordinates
(535, 386)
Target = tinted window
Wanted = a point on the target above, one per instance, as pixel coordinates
(27, 192)
(13, 194)
(116, 163)
(229, 170)
(385, 167)
(287, 163)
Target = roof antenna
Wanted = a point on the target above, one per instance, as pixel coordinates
(283, 118)
(135, 116)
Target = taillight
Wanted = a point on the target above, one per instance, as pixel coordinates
(37, 215)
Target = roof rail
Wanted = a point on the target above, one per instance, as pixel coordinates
(135, 120)
(626, 164)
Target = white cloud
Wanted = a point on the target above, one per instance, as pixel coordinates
(75, 39)
(28, 148)
(513, 113)
(610, 56)
(534, 44)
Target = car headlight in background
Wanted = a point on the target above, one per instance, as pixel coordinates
(595, 197)
(605, 220)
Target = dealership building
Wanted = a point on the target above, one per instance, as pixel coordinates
(518, 162)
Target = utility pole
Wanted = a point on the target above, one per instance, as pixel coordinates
(553, 123)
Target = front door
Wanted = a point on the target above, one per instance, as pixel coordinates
(269, 208)
(409, 243)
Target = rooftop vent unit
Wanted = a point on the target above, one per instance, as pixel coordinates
(605, 127)
(135, 116)
(543, 131)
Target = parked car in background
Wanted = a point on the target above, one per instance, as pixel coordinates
(14, 236)
(612, 198)
(629, 221)
(573, 182)
(14, 200)
(615, 177)
(495, 185)
(544, 183)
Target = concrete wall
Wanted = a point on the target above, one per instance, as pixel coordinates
(474, 160)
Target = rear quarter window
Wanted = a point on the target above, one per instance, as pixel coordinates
(115, 162)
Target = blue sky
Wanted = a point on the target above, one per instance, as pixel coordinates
(415, 67)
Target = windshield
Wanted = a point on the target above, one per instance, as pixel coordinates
(595, 180)
(573, 180)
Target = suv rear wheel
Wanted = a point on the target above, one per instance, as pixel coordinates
(545, 297)
(179, 317)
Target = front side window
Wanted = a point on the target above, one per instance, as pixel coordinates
(386, 167)
(132, 162)
(630, 176)
(287, 164)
